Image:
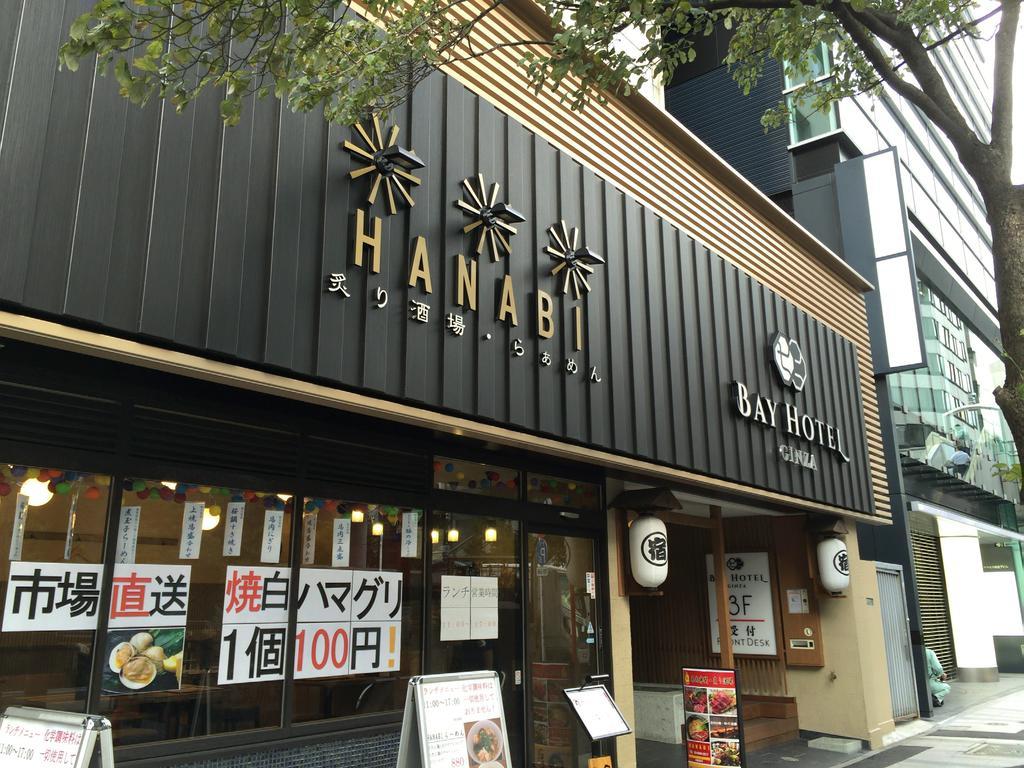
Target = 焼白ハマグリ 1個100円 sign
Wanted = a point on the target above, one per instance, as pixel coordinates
(713, 724)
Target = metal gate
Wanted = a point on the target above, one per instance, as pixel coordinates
(931, 593)
(896, 628)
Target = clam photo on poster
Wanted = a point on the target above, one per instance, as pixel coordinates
(141, 661)
(485, 743)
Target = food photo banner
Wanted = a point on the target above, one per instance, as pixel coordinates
(713, 724)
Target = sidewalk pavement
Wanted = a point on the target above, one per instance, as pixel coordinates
(980, 708)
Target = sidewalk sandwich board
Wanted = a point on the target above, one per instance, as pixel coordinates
(454, 721)
(31, 737)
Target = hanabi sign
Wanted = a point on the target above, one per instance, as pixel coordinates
(454, 721)
(52, 597)
(385, 165)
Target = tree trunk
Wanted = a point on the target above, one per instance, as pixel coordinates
(1006, 217)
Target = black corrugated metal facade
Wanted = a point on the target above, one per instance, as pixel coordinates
(175, 229)
(714, 107)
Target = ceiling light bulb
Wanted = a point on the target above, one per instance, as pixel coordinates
(169, 484)
(435, 536)
(357, 515)
(453, 535)
(285, 497)
(378, 529)
(211, 518)
(491, 534)
(38, 493)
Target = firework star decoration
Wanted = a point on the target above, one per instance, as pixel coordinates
(572, 263)
(390, 164)
(491, 219)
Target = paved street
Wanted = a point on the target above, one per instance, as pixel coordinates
(990, 734)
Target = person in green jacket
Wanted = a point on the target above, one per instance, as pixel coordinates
(936, 678)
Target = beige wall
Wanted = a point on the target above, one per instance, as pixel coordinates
(620, 642)
(850, 695)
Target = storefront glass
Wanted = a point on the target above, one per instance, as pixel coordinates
(562, 643)
(341, 540)
(52, 523)
(470, 477)
(476, 605)
(196, 640)
(560, 491)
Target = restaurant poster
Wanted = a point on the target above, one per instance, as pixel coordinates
(712, 725)
(454, 721)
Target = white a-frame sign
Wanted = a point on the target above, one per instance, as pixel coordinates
(454, 721)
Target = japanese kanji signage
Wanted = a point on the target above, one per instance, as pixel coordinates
(349, 622)
(255, 625)
(255, 594)
(25, 742)
(149, 595)
(127, 534)
(47, 597)
(410, 534)
(712, 728)
(469, 607)
(309, 538)
(233, 529)
(270, 549)
(751, 611)
(454, 721)
(341, 542)
(41, 738)
(191, 530)
(18, 531)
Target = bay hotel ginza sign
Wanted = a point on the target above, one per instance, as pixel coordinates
(788, 362)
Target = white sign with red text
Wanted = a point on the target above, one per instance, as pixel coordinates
(149, 595)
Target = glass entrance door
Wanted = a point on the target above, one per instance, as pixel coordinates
(478, 630)
(562, 644)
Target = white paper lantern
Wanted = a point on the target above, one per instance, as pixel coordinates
(648, 551)
(834, 565)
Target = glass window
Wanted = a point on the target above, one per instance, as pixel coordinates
(51, 524)
(359, 628)
(197, 636)
(807, 121)
(476, 606)
(816, 64)
(469, 477)
(547, 489)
